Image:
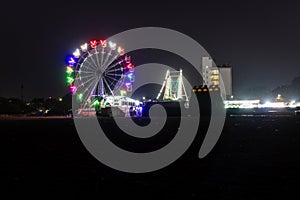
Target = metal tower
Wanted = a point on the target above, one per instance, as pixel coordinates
(173, 87)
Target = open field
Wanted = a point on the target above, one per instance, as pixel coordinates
(257, 157)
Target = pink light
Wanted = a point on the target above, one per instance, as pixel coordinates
(127, 59)
(73, 89)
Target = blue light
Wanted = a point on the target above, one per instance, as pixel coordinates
(70, 60)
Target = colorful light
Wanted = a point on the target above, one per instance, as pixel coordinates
(122, 92)
(84, 47)
(96, 103)
(76, 53)
(71, 61)
(79, 97)
(121, 50)
(128, 86)
(130, 66)
(69, 70)
(130, 77)
(103, 43)
(93, 43)
(70, 79)
(127, 59)
(73, 88)
(112, 45)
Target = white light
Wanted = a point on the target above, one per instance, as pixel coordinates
(112, 45)
(76, 53)
(84, 47)
(121, 50)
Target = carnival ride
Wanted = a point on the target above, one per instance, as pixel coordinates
(97, 72)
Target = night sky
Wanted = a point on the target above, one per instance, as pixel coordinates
(259, 39)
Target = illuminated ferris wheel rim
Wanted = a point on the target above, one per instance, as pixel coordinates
(99, 60)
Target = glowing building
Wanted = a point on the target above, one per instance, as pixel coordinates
(211, 75)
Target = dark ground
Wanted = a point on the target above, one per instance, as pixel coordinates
(255, 158)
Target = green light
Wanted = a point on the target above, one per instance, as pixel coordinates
(79, 97)
(69, 70)
(96, 103)
(70, 79)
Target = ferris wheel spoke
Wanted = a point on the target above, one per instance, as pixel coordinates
(114, 70)
(87, 76)
(102, 55)
(101, 86)
(85, 72)
(106, 59)
(89, 91)
(87, 61)
(110, 66)
(95, 65)
(114, 79)
(113, 58)
(112, 74)
(88, 66)
(97, 57)
(111, 91)
(83, 84)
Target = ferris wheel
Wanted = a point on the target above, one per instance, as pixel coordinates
(98, 69)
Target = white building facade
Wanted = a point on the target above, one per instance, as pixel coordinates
(212, 76)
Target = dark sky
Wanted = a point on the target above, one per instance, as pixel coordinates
(259, 39)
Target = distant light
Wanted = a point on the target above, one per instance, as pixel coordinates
(112, 45)
(130, 66)
(60, 99)
(121, 50)
(93, 43)
(69, 70)
(71, 61)
(96, 103)
(128, 86)
(70, 79)
(76, 53)
(144, 98)
(79, 97)
(103, 43)
(83, 47)
(123, 92)
(73, 89)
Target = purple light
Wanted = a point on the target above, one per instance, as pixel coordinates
(73, 89)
